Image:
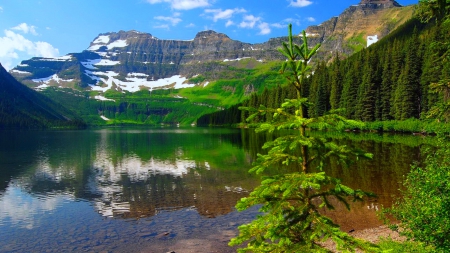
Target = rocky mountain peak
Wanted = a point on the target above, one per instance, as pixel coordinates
(210, 36)
(380, 3)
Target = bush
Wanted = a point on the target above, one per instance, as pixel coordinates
(424, 211)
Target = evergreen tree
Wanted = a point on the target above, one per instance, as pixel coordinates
(407, 93)
(290, 202)
(336, 83)
(367, 93)
(351, 82)
(386, 87)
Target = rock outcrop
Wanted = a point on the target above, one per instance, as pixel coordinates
(119, 58)
(349, 31)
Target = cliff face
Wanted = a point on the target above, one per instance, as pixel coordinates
(132, 59)
(350, 31)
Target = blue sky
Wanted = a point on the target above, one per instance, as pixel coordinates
(51, 28)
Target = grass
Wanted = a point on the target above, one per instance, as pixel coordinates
(389, 245)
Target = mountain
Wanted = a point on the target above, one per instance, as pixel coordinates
(128, 60)
(359, 26)
(391, 84)
(131, 60)
(22, 107)
(220, 71)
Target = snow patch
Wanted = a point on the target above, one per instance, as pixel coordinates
(47, 80)
(137, 74)
(20, 72)
(103, 54)
(62, 58)
(102, 39)
(90, 63)
(312, 34)
(42, 87)
(95, 47)
(117, 43)
(107, 63)
(102, 98)
(237, 59)
(371, 40)
(135, 82)
(91, 75)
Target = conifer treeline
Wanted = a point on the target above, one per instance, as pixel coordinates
(387, 81)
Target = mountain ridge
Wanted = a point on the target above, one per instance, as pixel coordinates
(112, 58)
(133, 77)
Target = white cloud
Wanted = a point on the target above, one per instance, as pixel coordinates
(311, 19)
(14, 45)
(1, 9)
(161, 27)
(183, 4)
(191, 25)
(299, 3)
(264, 28)
(278, 25)
(229, 23)
(173, 20)
(224, 14)
(249, 21)
(285, 23)
(26, 28)
(292, 21)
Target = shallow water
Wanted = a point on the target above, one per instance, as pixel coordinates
(152, 190)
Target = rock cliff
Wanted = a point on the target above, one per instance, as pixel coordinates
(350, 31)
(129, 60)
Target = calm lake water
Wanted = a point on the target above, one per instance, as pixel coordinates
(158, 190)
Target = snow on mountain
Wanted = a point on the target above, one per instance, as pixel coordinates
(102, 39)
(21, 72)
(107, 63)
(105, 40)
(371, 40)
(137, 81)
(53, 77)
(62, 58)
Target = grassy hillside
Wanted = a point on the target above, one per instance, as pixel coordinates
(21, 107)
(236, 81)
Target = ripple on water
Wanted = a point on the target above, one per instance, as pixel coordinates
(20, 209)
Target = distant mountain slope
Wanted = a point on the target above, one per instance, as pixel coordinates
(391, 81)
(132, 61)
(134, 77)
(21, 107)
(359, 26)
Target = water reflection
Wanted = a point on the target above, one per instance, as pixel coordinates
(137, 173)
(54, 180)
(24, 210)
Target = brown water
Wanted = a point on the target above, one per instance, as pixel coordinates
(157, 190)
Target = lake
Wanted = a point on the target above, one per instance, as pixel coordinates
(159, 189)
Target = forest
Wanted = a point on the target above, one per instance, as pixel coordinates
(389, 81)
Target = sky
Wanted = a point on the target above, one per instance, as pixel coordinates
(52, 28)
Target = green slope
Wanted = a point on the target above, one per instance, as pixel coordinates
(21, 107)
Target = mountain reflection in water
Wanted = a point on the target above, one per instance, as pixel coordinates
(60, 185)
